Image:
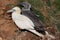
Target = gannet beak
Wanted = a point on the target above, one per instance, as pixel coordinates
(10, 11)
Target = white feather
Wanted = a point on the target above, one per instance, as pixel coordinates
(35, 32)
(24, 22)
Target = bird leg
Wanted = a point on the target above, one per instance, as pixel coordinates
(48, 36)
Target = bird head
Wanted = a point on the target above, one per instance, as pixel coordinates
(25, 5)
(15, 10)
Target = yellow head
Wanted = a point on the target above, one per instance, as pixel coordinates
(15, 10)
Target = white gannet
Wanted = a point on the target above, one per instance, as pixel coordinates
(22, 21)
(30, 23)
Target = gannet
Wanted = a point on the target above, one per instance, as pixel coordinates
(30, 23)
(26, 10)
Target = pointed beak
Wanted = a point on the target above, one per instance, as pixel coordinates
(10, 11)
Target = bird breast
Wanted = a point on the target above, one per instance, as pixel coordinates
(22, 21)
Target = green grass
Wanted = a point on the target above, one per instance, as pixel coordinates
(57, 9)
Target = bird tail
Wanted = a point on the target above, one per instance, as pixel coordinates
(51, 36)
(35, 32)
(41, 35)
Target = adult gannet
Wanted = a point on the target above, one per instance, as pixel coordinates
(30, 23)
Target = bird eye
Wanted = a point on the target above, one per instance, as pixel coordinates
(21, 12)
(14, 10)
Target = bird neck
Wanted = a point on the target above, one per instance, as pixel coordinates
(25, 9)
(16, 13)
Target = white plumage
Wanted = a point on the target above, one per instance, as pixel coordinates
(24, 22)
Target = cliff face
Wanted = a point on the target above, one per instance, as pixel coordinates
(8, 27)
